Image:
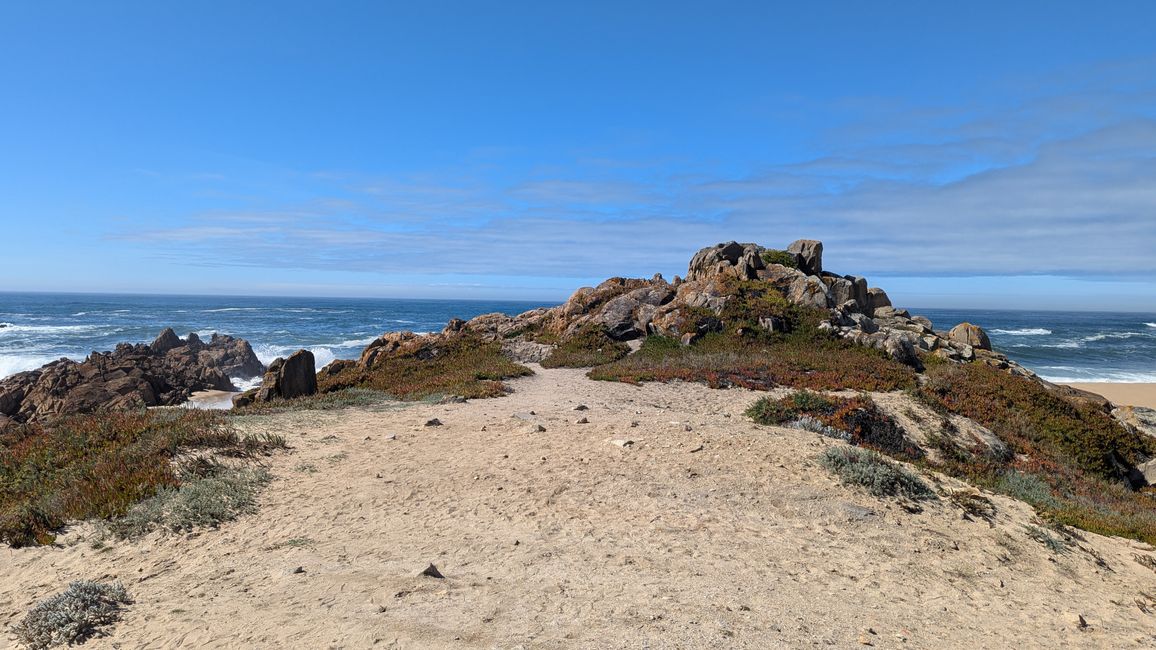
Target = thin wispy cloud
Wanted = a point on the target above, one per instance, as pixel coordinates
(974, 190)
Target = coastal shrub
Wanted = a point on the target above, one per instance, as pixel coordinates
(464, 365)
(99, 465)
(1067, 458)
(808, 423)
(856, 419)
(1035, 421)
(84, 610)
(869, 469)
(588, 347)
(216, 495)
(798, 360)
(338, 399)
(774, 256)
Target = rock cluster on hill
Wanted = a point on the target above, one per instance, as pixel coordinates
(627, 309)
(164, 372)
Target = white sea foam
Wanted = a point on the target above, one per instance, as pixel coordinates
(245, 384)
(1030, 331)
(1105, 376)
(356, 343)
(213, 311)
(322, 356)
(10, 329)
(1114, 335)
(1150, 324)
(10, 364)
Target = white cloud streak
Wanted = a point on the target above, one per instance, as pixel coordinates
(1057, 184)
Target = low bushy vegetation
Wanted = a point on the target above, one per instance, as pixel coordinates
(211, 495)
(1036, 421)
(799, 361)
(100, 465)
(337, 399)
(773, 256)
(84, 610)
(857, 419)
(462, 365)
(869, 469)
(588, 347)
(1066, 458)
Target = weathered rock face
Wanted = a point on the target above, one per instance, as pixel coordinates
(285, 379)
(969, 334)
(810, 255)
(876, 299)
(164, 372)
(741, 260)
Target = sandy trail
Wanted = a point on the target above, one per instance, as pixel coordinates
(559, 538)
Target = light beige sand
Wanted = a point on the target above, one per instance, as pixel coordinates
(726, 534)
(1123, 394)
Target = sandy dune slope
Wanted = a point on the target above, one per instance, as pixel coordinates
(708, 531)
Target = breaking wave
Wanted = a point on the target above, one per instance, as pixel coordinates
(1031, 331)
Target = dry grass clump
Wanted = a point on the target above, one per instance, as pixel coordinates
(973, 504)
(462, 364)
(588, 347)
(71, 617)
(99, 465)
(857, 420)
(869, 469)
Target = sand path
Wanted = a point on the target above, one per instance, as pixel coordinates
(709, 531)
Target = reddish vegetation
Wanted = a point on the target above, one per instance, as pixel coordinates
(800, 361)
(462, 365)
(97, 465)
(1070, 459)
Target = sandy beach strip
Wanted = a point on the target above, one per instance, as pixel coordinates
(1122, 394)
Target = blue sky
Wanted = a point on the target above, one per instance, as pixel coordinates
(980, 154)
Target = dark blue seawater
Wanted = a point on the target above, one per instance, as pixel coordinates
(1067, 345)
(1063, 346)
(39, 328)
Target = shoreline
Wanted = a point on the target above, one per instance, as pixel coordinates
(1121, 394)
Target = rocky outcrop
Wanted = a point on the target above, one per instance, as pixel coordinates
(162, 373)
(810, 255)
(285, 379)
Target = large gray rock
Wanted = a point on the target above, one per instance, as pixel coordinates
(298, 376)
(286, 379)
(740, 260)
(859, 291)
(968, 334)
(810, 255)
(876, 299)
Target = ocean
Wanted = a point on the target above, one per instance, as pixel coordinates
(37, 328)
